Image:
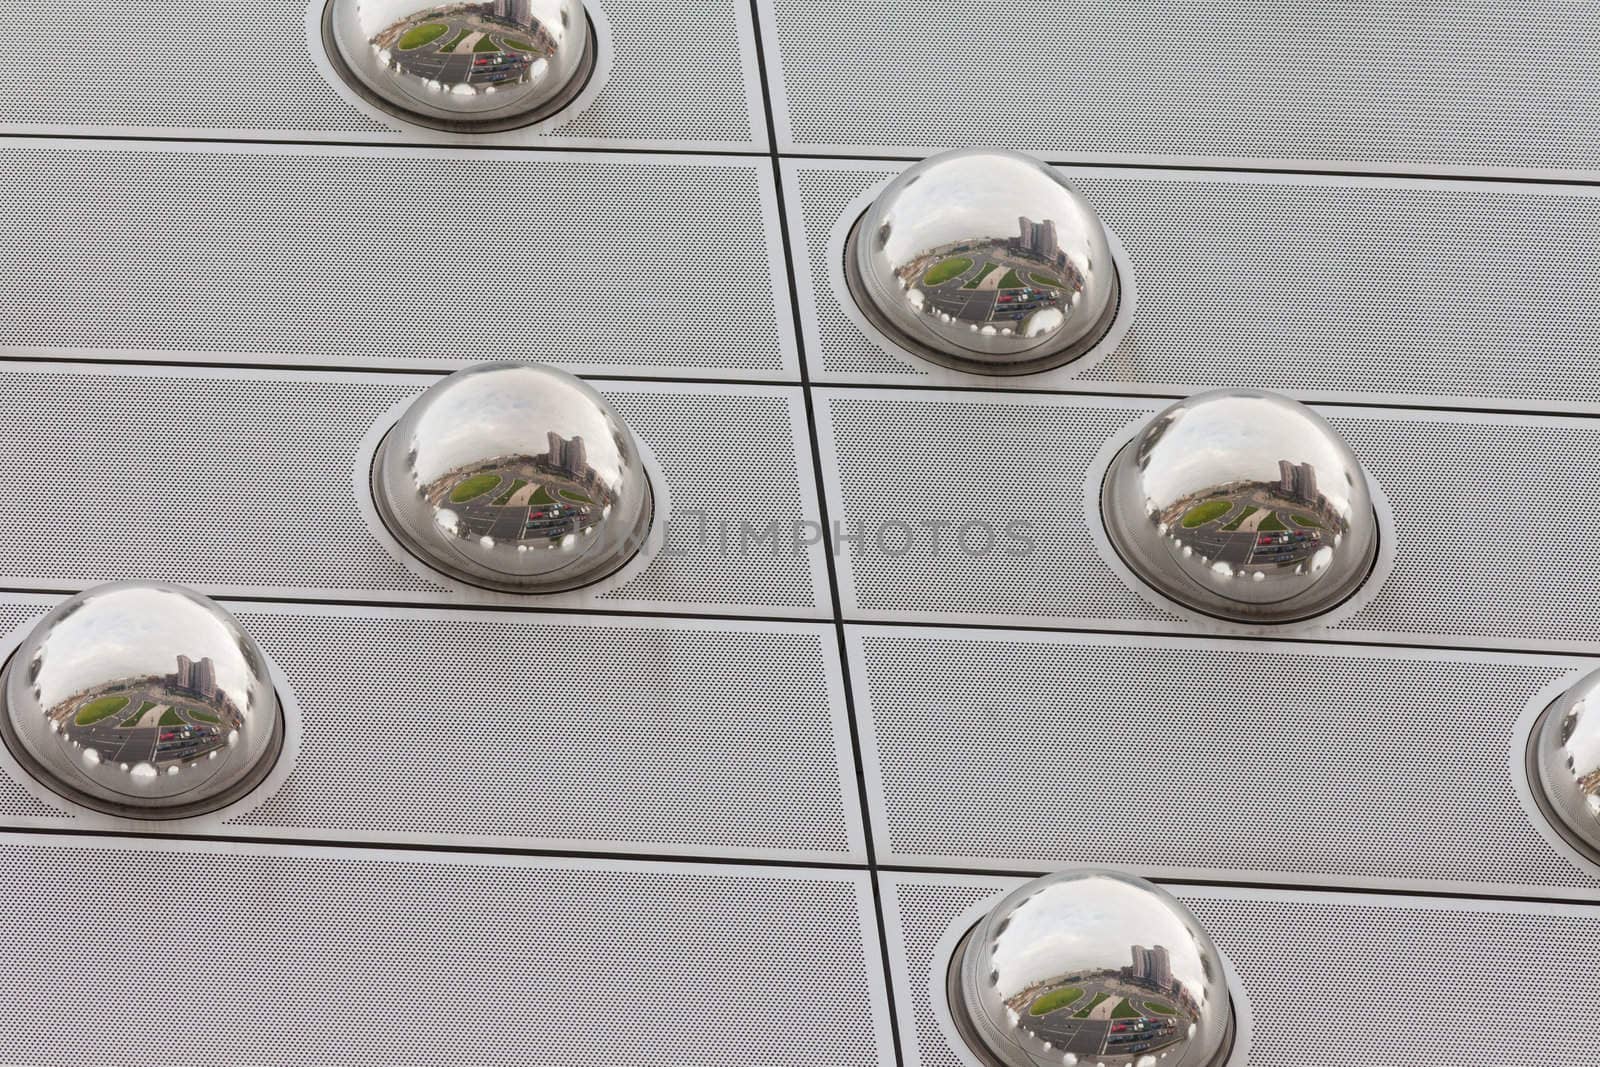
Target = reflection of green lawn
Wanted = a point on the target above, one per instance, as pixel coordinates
(417, 36)
(202, 716)
(170, 717)
(509, 493)
(541, 496)
(1046, 281)
(1126, 1010)
(516, 45)
(457, 39)
(988, 268)
(1272, 524)
(1306, 520)
(1201, 514)
(475, 486)
(1239, 518)
(1011, 281)
(1083, 1012)
(96, 710)
(576, 498)
(136, 716)
(1160, 1007)
(486, 44)
(943, 271)
(1056, 998)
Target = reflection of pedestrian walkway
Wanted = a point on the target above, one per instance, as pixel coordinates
(152, 717)
(1103, 1010)
(992, 281)
(468, 42)
(1250, 524)
(522, 496)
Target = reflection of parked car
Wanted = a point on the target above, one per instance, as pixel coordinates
(168, 736)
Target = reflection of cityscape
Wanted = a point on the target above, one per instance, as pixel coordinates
(1258, 524)
(1137, 1009)
(153, 724)
(526, 500)
(469, 46)
(1023, 285)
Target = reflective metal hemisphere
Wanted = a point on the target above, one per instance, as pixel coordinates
(1242, 505)
(986, 261)
(142, 700)
(514, 476)
(498, 64)
(1095, 968)
(1564, 765)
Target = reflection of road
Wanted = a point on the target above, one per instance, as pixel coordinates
(1248, 543)
(1099, 1032)
(986, 302)
(461, 64)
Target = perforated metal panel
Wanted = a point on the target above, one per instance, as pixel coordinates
(1463, 573)
(665, 737)
(259, 954)
(1246, 761)
(673, 75)
(327, 256)
(1330, 980)
(1398, 84)
(246, 482)
(1336, 288)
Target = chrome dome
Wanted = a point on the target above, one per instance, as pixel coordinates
(1243, 505)
(143, 700)
(1092, 968)
(514, 476)
(986, 261)
(1564, 765)
(490, 65)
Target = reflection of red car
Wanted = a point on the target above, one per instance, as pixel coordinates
(168, 735)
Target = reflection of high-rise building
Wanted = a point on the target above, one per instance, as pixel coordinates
(518, 11)
(198, 679)
(1038, 237)
(569, 457)
(1297, 481)
(1152, 967)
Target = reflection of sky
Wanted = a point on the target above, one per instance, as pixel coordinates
(1231, 439)
(1584, 745)
(508, 411)
(970, 198)
(1091, 923)
(134, 632)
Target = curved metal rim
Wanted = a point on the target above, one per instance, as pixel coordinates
(985, 1055)
(973, 365)
(1267, 618)
(403, 539)
(555, 105)
(1542, 800)
(235, 793)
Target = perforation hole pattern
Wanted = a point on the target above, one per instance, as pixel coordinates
(1462, 972)
(1461, 569)
(1252, 764)
(678, 73)
(225, 260)
(1382, 290)
(311, 958)
(608, 737)
(1394, 82)
(247, 482)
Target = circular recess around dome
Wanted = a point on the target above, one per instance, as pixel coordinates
(1091, 967)
(1243, 505)
(142, 700)
(986, 261)
(485, 66)
(516, 477)
(1564, 765)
